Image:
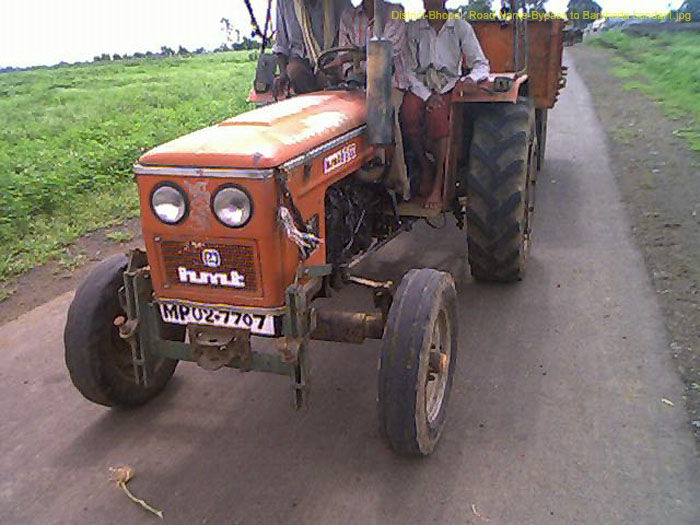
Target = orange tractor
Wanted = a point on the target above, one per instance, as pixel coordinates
(247, 222)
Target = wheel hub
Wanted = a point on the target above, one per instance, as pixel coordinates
(438, 368)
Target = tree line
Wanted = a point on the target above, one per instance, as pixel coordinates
(165, 51)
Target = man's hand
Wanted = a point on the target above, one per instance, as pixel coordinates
(334, 70)
(467, 86)
(434, 102)
(338, 61)
(281, 83)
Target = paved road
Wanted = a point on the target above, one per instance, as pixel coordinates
(556, 414)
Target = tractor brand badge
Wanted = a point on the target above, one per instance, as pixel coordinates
(232, 278)
(211, 258)
(339, 158)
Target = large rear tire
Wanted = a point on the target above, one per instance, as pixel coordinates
(98, 360)
(500, 191)
(417, 362)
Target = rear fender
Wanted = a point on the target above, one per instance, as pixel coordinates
(490, 91)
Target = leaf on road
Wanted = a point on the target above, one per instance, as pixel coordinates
(121, 476)
(476, 513)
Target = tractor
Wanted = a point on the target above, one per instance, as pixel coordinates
(248, 222)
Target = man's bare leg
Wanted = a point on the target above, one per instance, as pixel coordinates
(434, 200)
(427, 172)
(398, 175)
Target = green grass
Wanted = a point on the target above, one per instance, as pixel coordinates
(120, 236)
(70, 135)
(69, 262)
(6, 293)
(666, 69)
(625, 135)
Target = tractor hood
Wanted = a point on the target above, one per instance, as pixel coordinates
(266, 137)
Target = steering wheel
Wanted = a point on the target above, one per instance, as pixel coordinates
(326, 56)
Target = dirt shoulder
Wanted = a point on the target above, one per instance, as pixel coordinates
(658, 177)
(43, 283)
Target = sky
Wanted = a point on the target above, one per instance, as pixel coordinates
(45, 32)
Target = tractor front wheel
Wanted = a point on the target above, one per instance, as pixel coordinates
(98, 359)
(417, 362)
(500, 190)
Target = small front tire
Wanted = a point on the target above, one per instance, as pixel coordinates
(98, 360)
(417, 362)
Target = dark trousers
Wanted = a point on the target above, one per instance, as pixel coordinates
(301, 76)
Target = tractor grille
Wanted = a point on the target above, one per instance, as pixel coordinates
(238, 258)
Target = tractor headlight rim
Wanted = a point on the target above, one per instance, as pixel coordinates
(174, 206)
(232, 206)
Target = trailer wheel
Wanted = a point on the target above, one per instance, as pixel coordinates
(500, 191)
(417, 362)
(98, 360)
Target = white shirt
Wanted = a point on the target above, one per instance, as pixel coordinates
(443, 52)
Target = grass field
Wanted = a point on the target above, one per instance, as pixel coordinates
(666, 69)
(69, 136)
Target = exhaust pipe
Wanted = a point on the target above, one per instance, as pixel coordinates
(380, 113)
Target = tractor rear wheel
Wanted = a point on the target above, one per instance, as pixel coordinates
(417, 363)
(98, 359)
(500, 191)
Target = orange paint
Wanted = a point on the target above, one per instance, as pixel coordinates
(545, 43)
(266, 137)
(241, 143)
(317, 140)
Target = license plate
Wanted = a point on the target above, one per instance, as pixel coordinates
(190, 314)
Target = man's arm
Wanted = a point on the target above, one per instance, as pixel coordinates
(476, 60)
(282, 62)
(346, 38)
(395, 29)
(281, 45)
(341, 7)
(416, 86)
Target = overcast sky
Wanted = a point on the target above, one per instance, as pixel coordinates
(45, 32)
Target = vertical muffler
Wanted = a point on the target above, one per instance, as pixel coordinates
(380, 114)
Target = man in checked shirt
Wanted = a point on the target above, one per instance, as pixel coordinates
(356, 28)
(436, 44)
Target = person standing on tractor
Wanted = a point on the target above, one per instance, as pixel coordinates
(356, 28)
(305, 28)
(437, 42)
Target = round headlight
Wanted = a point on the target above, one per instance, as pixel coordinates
(232, 206)
(169, 203)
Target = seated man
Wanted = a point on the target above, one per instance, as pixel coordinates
(304, 29)
(356, 28)
(436, 44)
